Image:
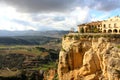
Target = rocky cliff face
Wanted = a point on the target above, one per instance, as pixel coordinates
(50, 74)
(89, 59)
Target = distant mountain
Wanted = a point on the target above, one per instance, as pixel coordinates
(54, 33)
(27, 40)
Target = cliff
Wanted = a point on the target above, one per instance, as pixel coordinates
(89, 57)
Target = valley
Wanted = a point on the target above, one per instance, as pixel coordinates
(28, 57)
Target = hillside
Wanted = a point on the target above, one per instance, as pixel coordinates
(25, 62)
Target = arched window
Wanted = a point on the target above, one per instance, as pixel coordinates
(109, 31)
(104, 31)
(115, 31)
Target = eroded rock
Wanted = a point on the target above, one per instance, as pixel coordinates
(92, 59)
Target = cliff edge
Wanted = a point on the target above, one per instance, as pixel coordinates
(89, 57)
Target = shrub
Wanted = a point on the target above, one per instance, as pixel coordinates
(70, 36)
(65, 36)
(76, 37)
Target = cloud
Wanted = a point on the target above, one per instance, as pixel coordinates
(64, 21)
(53, 14)
(35, 6)
(59, 18)
(42, 21)
(102, 5)
(38, 6)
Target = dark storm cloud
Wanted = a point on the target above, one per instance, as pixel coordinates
(34, 6)
(40, 5)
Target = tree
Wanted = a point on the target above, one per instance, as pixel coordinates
(82, 30)
(95, 29)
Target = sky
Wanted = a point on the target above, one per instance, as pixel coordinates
(43, 15)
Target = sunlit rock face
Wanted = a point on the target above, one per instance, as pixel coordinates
(89, 59)
(50, 74)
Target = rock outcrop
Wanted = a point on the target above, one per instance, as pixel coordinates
(50, 74)
(89, 59)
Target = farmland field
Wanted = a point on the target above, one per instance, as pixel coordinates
(35, 54)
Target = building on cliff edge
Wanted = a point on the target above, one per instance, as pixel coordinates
(111, 25)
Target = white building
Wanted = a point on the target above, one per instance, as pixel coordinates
(111, 25)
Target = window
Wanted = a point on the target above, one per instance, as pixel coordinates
(104, 26)
(109, 25)
(104, 31)
(115, 31)
(109, 31)
(115, 25)
(98, 25)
